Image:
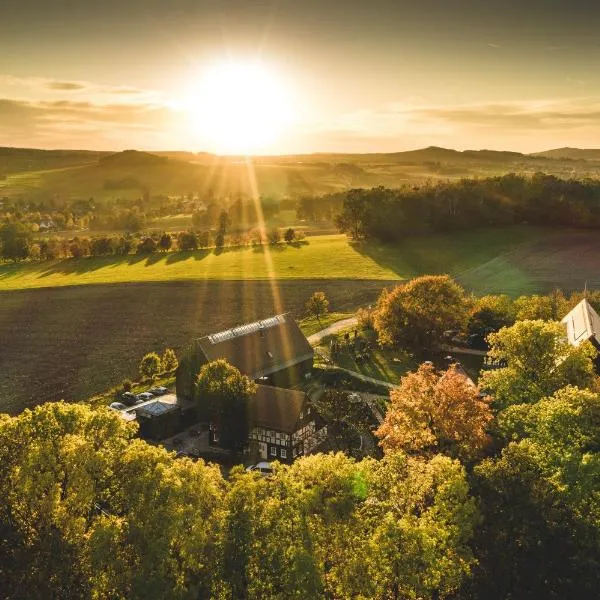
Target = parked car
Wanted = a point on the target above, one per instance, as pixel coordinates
(117, 406)
(145, 396)
(158, 391)
(129, 399)
(264, 468)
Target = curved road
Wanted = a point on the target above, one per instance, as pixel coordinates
(315, 338)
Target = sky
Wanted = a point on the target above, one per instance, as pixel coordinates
(349, 75)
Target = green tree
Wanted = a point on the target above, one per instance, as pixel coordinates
(15, 241)
(539, 362)
(150, 365)
(491, 312)
(531, 308)
(417, 314)
(541, 535)
(165, 242)
(92, 513)
(317, 305)
(354, 215)
(290, 235)
(169, 360)
(223, 395)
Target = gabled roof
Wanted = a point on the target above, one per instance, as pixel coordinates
(276, 408)
(260, 348)
(583, 323)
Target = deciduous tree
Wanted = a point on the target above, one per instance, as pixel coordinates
(222, 395)
(318, 305)
(150, 365)
(417, 314)
(540, 360)
(433, 412)
(169, 360)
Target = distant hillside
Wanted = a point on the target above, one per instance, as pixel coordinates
(18, 160)
(571, 154)
(133, 158)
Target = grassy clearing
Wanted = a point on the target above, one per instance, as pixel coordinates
(389, 364)
(320, 257)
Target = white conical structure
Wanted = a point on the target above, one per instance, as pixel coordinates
(583, 323)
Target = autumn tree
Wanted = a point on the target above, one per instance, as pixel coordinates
(150, 365)
(222, 394)
(436, 412)
(417, 314)
(540, 360)
(318, 305)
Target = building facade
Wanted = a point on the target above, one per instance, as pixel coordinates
(283, 425)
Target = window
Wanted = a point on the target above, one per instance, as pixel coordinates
(283, 453)
(273, 451)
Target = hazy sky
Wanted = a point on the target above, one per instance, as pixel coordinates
(361, 76)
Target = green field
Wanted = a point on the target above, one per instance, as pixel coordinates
(319, 257)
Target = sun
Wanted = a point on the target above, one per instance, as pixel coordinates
(239, 108)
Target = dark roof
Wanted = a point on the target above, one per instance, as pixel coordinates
(260, 348)
(276, 408)
(583, 323)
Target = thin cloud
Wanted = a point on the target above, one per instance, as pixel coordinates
(65, 86)
(58, 85)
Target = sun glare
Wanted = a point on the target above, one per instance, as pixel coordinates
(239, 108)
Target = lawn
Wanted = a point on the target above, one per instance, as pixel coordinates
(390, 364)
(319, 257)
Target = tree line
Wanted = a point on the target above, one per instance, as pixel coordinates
(389, 215)
(17, 242)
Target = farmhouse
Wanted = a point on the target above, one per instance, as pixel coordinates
(583, 324)
(283, 425)
(272, 351)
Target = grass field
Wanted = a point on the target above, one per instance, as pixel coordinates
(73, 343)
(320, 257)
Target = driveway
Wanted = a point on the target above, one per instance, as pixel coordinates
(315, 338)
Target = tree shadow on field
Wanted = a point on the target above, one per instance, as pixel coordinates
(154, 258)
(399, 258)
(183, 255)
(79, 266)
